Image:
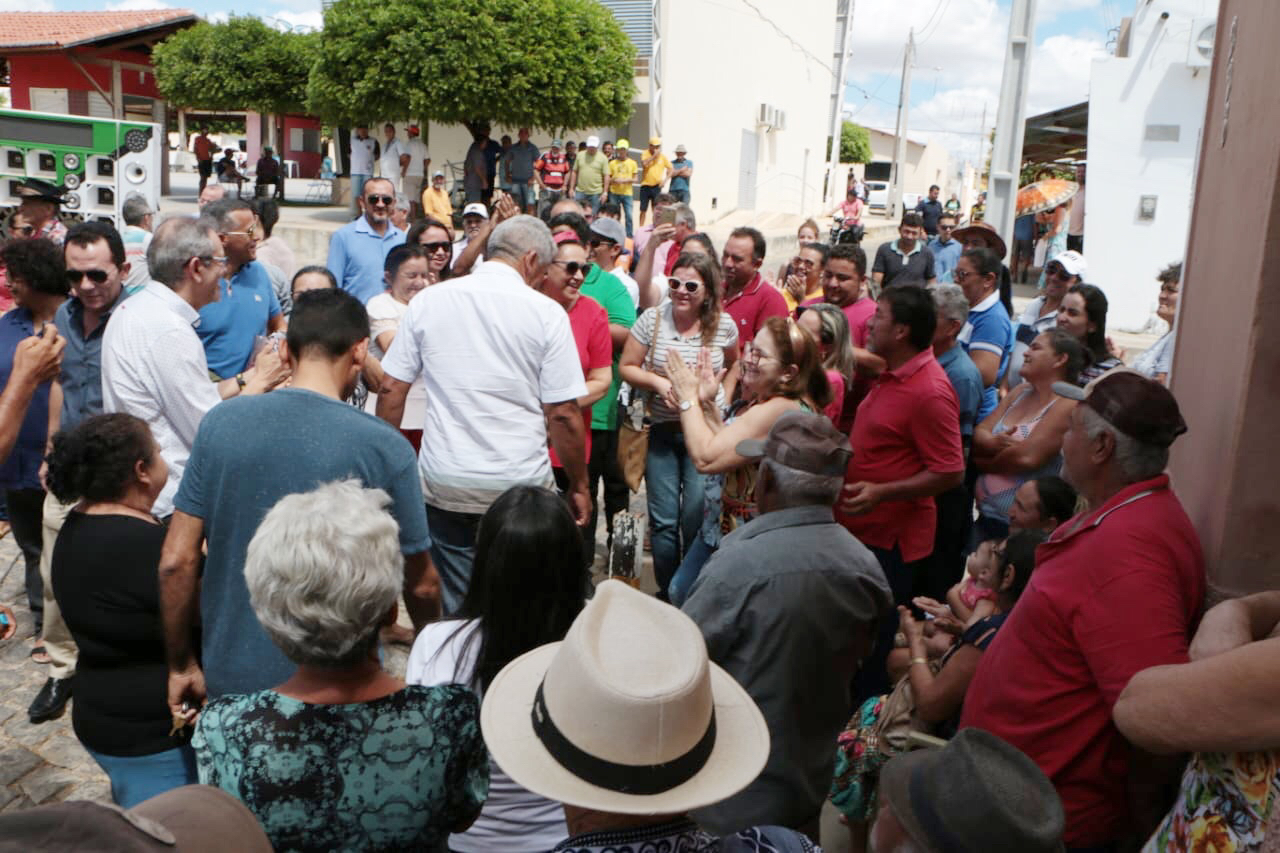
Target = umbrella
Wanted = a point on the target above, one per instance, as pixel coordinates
(1045, 195)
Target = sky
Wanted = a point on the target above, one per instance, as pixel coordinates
(960, 46)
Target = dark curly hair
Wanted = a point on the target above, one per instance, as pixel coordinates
(95, 460)
(38, 264)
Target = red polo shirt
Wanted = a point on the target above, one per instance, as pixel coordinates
(590, 325)
(754, 304)
(1115, 591)
(909, 422)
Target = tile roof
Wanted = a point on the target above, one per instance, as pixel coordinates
(64, 29)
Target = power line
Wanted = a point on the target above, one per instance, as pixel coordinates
(944, 4)
(797, 45)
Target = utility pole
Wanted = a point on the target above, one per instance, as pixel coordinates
(1011, 119)
(900, 134)
(840, 65)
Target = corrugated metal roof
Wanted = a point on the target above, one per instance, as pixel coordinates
(636, 19)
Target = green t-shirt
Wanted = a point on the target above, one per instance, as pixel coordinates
(607, 289)
(591, 173)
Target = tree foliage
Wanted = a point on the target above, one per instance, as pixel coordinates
(855, 143)
(240, 64)
(541, 63)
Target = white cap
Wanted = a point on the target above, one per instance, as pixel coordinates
(438, 175)
(476, 209)
(593, 142)
(1072, 261)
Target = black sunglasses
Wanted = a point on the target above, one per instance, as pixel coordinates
(95, 276)
(597, 243)
(380, 199)
(572, 267)
(432, 248)
(690, 285)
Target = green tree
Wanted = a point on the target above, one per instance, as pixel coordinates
(241, 64)
(542, 63)
(855, 143)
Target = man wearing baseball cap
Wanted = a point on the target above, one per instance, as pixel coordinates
(789, 605)
(551, 172)
(1116, 590)
(436, 202)
(474, 216)
(589, 180)
(657, 171)
(622, 177)
(40, 203)
(681, 174)
(630, 727)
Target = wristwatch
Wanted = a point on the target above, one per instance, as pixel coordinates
(685, 405)
(240, 383)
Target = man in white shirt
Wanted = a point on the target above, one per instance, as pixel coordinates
(502, 374)
(362, 147)
(153, 364)
(419, 162)
(395, 159)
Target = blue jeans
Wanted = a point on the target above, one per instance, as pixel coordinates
(682, 196)
(687, 575)
(624, 202)
(357, 189)
(522, 194)
(453, 550)
(674, 489)
(591, 200)
(136, 778)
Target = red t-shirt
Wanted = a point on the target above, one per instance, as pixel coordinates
(836, 406)
(754, 304)
(552, 170)
(909, 422)
(590, 325)
(1115, 591)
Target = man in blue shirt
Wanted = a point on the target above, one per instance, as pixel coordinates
(358, 249)
(681, 174)
(930, 210)
(988, 335)
(945, 250)
(247, 306)
(239, 468)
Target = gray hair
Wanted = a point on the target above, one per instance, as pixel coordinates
(1135, 461)
(176, 242)
(519, 234)
(323, 570)
(801, 488)
(135, 209)
(685, 217)
(219, 212)
(951, 303)
(402, 202)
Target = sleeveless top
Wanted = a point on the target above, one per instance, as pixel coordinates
(1225, 802)
(994, 492)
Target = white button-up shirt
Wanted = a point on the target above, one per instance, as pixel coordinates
(154, 367)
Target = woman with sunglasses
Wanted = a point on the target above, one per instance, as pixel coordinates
(1064, 271)
(590, 324)
(1083, 315)
(406, 274)
(437, 238)
(781, 372)
(686, 323)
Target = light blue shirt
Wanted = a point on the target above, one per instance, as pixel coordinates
(945, 256)
(356, 256)
(229, 326)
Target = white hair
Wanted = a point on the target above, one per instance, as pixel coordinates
(323, 570)
(177, 240)
(685, 216)
(402, 202)
(802, 488)
(520, 234)
(1134, 460)
(951, 302)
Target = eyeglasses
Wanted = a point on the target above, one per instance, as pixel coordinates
(443, 246)
(1057, 271)
(250, 233)
(690, 285)
(959, 275)
(213, 259)
(754, 354)
(95, 276)
(596, 243)
(379, 199)
(573, 267)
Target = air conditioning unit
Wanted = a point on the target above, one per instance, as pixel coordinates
(780, 120)
(1200, 47)
(765, 115)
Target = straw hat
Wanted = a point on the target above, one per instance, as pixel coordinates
(986, 232)
(626, 715)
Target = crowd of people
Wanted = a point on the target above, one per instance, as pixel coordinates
(914, 556)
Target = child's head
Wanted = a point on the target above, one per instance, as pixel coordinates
(1015, 559)
(1042, 504)
(984, 566)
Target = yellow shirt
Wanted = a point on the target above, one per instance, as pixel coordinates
(622, 170)
(656, 172)
(435, 203)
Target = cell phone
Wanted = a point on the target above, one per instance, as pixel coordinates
(667, 217)
(4, 619)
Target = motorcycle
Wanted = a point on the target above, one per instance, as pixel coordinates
(850, 234)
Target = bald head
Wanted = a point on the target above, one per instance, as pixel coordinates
(210, 194)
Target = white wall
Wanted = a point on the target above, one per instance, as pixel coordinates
(926, 164)
(1151, 86)
(720, 62)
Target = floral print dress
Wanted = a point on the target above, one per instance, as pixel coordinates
(1224, 804)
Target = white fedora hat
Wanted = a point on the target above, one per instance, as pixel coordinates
(626, 715)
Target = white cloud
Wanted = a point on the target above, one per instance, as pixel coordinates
(137, 5)
(311, 20)
(26, 6)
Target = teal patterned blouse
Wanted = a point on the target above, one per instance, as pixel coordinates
(396, 773)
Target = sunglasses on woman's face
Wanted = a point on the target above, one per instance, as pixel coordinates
(443, 246)
(691, 285)
(572, 267)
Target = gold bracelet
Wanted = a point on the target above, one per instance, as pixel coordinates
(915, 661)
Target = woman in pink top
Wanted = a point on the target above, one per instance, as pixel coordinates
(830, 328)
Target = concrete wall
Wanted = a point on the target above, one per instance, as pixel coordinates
(1226, 368)
(926, 163)
(1149, 92)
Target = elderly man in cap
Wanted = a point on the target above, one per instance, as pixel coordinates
(474, 217)
(589, 180)
(629, 725)
(39, 206)
(1117, 589)
(436, 202)
(789, 606)
(681, 174)
(975, 795)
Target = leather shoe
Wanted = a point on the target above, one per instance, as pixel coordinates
(51, 701)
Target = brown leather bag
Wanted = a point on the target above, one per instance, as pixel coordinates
(633, 432)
